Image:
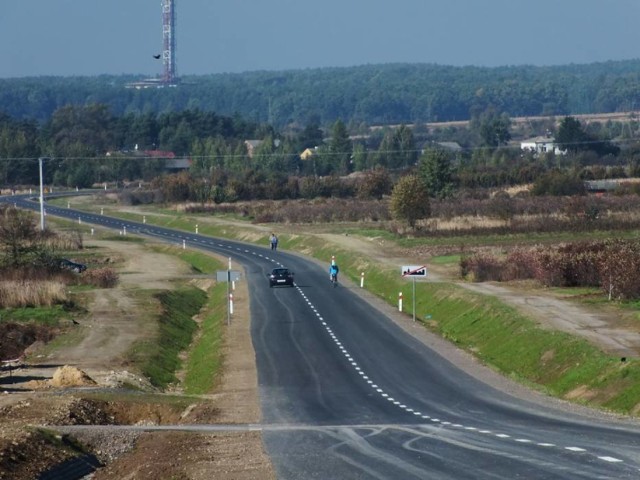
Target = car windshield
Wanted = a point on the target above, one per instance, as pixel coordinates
(281, 271)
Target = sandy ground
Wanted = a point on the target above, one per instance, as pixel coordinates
(116, 320)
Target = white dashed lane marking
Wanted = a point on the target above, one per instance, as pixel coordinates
(395, 402)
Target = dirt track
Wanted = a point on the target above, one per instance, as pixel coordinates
(116, 319)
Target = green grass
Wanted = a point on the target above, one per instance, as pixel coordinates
(205, 358)
(177, 330)
(445, 260)
(159, 359)
(201, 263)
(50, 316)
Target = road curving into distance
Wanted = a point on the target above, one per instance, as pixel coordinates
(346, 393)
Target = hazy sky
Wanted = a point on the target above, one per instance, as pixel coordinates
(90, 37)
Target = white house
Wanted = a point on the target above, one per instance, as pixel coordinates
(541, 145)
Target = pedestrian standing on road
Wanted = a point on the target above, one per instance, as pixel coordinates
(274, 242)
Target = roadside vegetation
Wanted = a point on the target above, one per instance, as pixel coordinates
(186, 347)
(159, 358)
(40, 299)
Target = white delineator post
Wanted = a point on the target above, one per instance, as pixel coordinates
(41, 195)
(400, 302)
(229, 294)
(362, 280)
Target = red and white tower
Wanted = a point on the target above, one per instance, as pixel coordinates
(169, 74)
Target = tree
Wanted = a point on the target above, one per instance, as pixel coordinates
(87, 128)
(360, 157)
(436, 172)
(340, 148)
(410, 200)
(406, 146)
(492, 128)
(558, 183)
(375, 184)
(17, 236)
(310, 137)
(571, 136)
(398, 149)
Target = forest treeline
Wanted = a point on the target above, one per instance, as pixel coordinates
(367, 94)
(231, 159)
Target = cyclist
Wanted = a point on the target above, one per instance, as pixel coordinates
(333, 273)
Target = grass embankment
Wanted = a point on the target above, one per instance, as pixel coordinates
(160, 358)
(205, 357)
(558, 363)
(555, 362)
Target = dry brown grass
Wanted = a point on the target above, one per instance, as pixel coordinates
(16, 294)
(100, 277)
(462, 223)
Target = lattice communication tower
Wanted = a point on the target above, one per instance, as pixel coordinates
(170, 73)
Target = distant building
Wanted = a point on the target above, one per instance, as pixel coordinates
(308, 153)
(158, 154)
(251, 146)
(172, 163)
(541, 145)
(453, 147)
(175, 165)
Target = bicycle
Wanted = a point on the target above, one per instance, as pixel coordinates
(334, 280)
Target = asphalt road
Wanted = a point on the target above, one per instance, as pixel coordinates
(347, 394)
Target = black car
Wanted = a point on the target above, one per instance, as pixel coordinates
(73, 266)
(281, 276)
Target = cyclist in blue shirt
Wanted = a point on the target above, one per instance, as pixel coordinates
(333, 273)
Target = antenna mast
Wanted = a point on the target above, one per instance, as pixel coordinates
(170, 74)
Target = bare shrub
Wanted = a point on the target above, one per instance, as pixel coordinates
(301, 211)
(612, 265)
(582, 262)
(520, 264)
(481, 267)
(62, 241)
(100, 277)
(140, 197)
(619, 267)
(524, 214)
(501, 206)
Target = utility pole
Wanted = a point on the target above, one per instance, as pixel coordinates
(40, 160)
